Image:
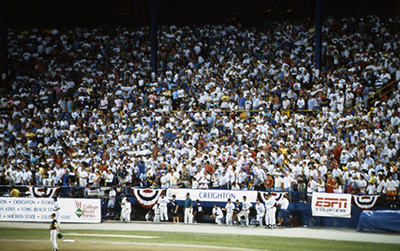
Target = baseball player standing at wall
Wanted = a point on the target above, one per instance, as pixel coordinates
(188, 209)
(54, 231)
(260, 208)
(174, 209)
(270, 211)
(229, 207)
(57, 209)
(122, 203)
(111, 202)
(197, 212)
(156, 209)
(163, 203)
(126, 210)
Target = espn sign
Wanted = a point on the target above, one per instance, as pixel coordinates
(331, 202)
(331, 205)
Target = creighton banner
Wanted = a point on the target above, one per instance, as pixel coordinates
(331, 205)
(213, 195)
(40, 209)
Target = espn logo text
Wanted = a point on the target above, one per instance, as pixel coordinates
(331, 205)
(331, 202)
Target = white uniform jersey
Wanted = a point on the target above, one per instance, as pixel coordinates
(217, 211)
(229, 208)
(112, 194)
(284, 203)
(270, 203)
(246, 205)
(156, 209)
(57, 206)
(127, 207)
(260, 208)
(163, 201)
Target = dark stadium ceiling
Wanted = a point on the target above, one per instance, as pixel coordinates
(136, 12)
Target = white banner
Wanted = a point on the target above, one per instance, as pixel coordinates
(40, 209)
(80, 210)
(213, 195)
(331, 205)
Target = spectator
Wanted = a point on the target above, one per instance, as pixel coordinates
(14, 192)
(391, 191)
(321, 185)
(107, 111)
(330, 184)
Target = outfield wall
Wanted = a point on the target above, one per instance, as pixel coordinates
(143, 199)
(343, 210)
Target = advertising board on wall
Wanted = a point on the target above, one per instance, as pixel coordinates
(331, 205)
(40, 209)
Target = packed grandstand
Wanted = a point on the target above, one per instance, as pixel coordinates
(231, 107)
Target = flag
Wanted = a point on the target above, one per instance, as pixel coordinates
(147, 198)
(42, 192)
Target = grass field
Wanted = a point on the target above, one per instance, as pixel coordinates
(38, 239)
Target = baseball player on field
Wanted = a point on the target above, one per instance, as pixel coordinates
(54, 231)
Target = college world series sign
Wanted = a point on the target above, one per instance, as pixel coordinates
(40, 209)
(331, 205)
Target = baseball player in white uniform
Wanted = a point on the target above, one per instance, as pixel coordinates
(163, 203)
(217, 214)
(260, 208)
(126, 210)
(57, 209)
(156, 209)
(111, 202)
(229, 212)
(245, 210)
(270, 211)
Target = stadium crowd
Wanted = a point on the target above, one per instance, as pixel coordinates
(230, 107)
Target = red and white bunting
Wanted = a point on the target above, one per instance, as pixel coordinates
(365, 202)
(147, 197)
(42, 192)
